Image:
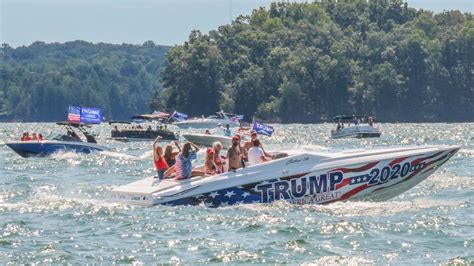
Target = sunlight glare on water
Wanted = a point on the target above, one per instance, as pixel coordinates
(57, 209)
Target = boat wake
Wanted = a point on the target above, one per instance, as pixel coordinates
(120, 155)
(59, 156)
(355, 208)
(44, 202)
(466, 152)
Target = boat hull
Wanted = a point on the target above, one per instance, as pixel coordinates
(208, 140)
(46, 148)
(373, 178)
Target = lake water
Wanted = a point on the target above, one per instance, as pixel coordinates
(57, 210)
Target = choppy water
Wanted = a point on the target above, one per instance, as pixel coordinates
(56, 210)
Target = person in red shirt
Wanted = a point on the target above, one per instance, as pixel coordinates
(158, 159)
(40, 137)
(26, 137)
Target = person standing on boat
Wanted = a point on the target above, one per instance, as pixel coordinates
(235, 154)
(218, 160)
(170, 156)
(209, 166)
(227, 131)
(158, 159)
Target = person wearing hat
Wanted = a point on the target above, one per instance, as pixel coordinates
(249, 144)
(209, 166)
(235, 154)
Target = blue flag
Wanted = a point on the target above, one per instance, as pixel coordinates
(86, 115)
(262, 129)
(91, 115)
(177, 116)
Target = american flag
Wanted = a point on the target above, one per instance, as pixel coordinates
(74, 114)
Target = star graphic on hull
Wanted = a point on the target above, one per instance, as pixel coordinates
(245, 194)
(229, 194)
(214, 194)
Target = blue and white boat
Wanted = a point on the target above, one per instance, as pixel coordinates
(299, 178)
(69, 142)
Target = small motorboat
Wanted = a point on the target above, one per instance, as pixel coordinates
(213, 121)
(354, 128)
(69, 142)
(299, 178)
(208, 139)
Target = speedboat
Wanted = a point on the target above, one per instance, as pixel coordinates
(207, 139)
(212, 121)
(69, 142)
(299, 178)
(354, 128)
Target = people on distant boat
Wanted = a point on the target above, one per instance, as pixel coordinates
(209, 166)
(149, 129)
(355, 121)
(26, 136)
(161, 127)
(33, 136)
(235, 154)
(338, 126)
(227, 131)
(158, 159)
(207, 132)
(40, 137)
(139, 127)
(183, 167)
(256, 154)
(170, 156)
(116, 128)
(218, 160)
(370, 121)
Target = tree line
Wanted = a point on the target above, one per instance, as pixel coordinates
(307, 62)
(38, 82)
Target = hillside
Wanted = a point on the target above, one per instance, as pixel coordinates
(38, 82)
(306, 62)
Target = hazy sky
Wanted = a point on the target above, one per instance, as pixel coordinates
(135, 21)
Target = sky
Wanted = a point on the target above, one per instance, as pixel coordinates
(166, 22)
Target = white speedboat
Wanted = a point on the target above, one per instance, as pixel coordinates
(354, 128)
(69, 142)
(299, 178)
(207, 139)
(213, 121)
